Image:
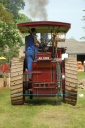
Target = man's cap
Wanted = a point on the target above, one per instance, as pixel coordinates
(33, 29)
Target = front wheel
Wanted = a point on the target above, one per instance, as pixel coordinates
(16, 87)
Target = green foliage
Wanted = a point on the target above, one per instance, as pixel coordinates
(5, 16)
(12, 52)
(23, 44)
(23, 18)
(9, 36)
(14, 6)
(8, 33)
(3, 54)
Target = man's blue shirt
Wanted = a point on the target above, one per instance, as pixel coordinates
(30, 41)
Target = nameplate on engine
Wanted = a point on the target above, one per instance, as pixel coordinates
(43, 56)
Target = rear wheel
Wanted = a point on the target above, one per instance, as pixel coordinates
(16, 81)
(71, 81)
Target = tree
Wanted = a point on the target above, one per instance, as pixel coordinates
(23, 18)
(12, 52)
(3, 54)
(8, 33)
(14, 6)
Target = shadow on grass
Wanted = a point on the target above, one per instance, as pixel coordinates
(36, 100)
(44, 101)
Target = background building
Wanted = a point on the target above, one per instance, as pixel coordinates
(74, 49)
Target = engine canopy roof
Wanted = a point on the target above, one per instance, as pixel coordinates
(44, 27)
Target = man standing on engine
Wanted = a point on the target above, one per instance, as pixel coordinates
(31, 41)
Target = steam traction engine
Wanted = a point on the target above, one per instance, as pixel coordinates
(50, 74)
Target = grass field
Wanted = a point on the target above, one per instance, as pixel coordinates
(41, 113)
(81, 75)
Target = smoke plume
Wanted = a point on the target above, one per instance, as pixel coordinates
(36, 9)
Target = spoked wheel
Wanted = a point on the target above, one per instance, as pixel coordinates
(16, 81)
(71, 81)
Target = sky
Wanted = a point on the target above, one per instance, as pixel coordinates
(68, 11)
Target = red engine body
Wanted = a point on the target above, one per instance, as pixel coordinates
(45, 79)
